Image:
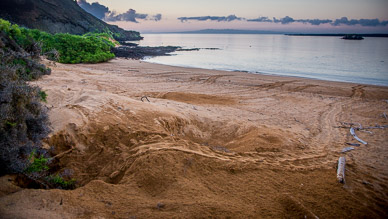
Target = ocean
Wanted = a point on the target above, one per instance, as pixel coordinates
(325, 58)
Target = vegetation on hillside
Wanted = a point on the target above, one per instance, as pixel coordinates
(23, 118)
(59, 16)
(62, 47)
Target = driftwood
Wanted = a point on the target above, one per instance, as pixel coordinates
(347, 149)
(366, 131)
(60, 155)
(353, 144)
(341, 170)
(144, 97)
(360, 127)
(376, 127)
(353, 133)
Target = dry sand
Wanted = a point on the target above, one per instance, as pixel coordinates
(208, 144)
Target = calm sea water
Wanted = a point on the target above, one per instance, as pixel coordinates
(326, 58)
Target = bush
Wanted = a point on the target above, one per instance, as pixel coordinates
(89, 48)
(37, 163)
(23, 120)
(43, 96)
(79, 49)
(58, 181)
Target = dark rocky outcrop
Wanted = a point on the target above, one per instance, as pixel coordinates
(140, 52)
(59, 16)
(352, 37)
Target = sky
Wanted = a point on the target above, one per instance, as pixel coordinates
(305, 16)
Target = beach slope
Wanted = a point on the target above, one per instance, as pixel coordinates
(153, 141)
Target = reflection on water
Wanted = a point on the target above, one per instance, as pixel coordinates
(327, 58)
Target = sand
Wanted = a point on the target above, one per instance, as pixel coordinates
(207, 144)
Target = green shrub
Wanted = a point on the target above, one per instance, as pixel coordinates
(89, 48)
(23, 120)
(43, 96)
(59, 182)
(80, 49)
(37, 163)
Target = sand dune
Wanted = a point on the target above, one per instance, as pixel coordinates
(208, 144)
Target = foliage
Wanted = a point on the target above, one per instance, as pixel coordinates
(79, 49)
(89, 48)
(37, 163)
(23, 120)
(43, 96)
(58, 181)
(107, 37)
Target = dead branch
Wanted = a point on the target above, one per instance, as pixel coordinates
(360, 127)
(353, 133)
(347, 149)
(341, 170)
(60, 155)
(144, 97)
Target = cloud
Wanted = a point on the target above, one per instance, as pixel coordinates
(95, 8)
(102, 12)
(211, 18)
(157, 17)
(337, 22)
(315, 21)
(362, 22)
(285, 20)
(130, 15)
(260, 19)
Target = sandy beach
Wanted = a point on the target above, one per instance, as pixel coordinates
(152, 141)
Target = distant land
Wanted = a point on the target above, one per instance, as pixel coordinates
(229, 31)
(343, 34)
(236, 31)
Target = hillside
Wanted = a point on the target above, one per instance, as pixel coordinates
(59, 16)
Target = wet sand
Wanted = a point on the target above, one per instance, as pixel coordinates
(207, 144)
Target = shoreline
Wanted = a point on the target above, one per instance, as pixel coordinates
(317, 62)
(207, 143)
(265, 74)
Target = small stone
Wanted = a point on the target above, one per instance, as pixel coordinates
(114, 174)
(160, 205)
(366, 183)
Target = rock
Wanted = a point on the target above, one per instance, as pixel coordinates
(139, 52)
(114, 174)
(160, 205)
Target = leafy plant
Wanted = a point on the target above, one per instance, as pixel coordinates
(38, 163)
(59, 181)
(23, 120)
(89, 48)
(43, 96)
(12, 124)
